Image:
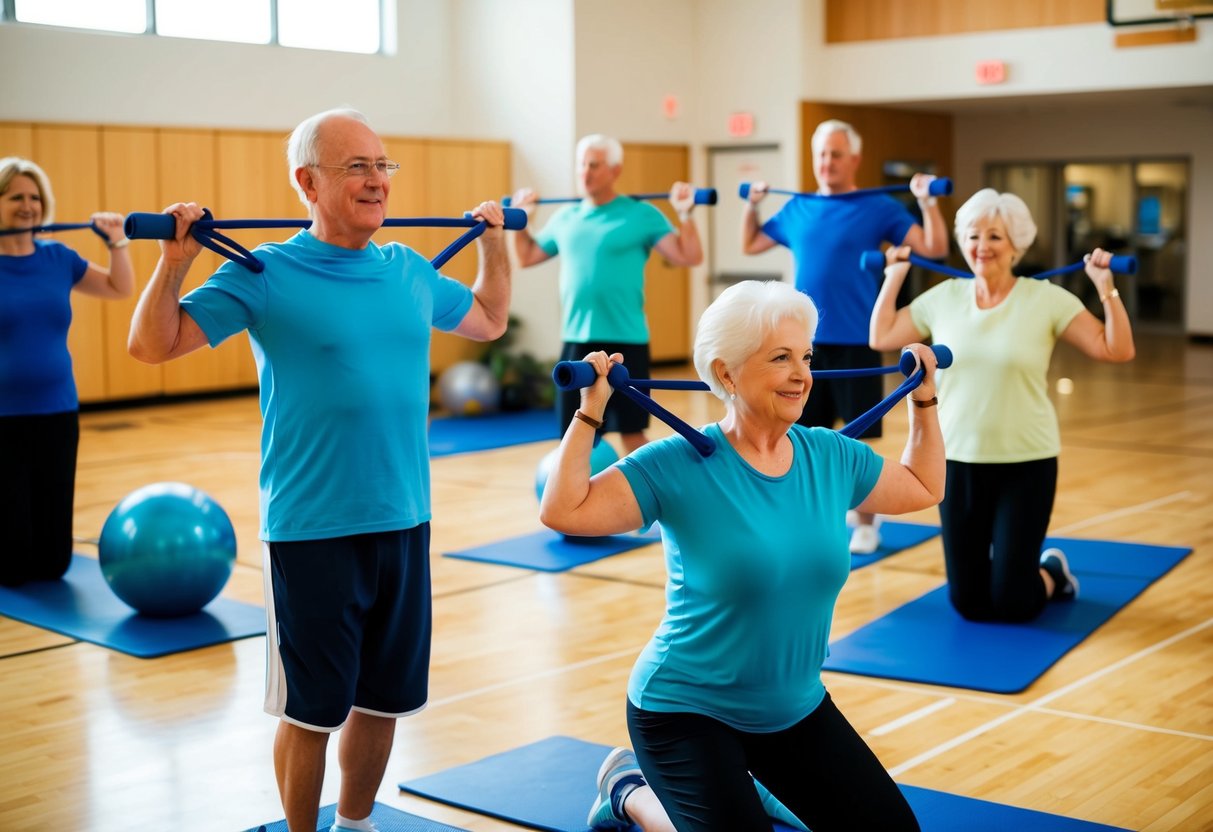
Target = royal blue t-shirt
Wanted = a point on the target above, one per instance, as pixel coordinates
(342, 343)
(827, 235)
(35, 314)
(754, 564)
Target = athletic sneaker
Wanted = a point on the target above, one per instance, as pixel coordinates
(776, 810)
(619, 769)
(865, 540)
(1065, 585)
(337, 828)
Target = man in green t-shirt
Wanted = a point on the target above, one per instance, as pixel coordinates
(605, 241)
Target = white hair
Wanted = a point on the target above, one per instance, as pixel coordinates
(835, 126)
(990, 204)
(734, 326)
(597, 141)
(303, 146)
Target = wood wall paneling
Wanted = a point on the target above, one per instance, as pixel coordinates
(71, 157)
(16, 140)
(459, 176)
(129, 177)
(860, 20)
(653, 168)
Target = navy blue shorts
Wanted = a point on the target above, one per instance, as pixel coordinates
(352, 620)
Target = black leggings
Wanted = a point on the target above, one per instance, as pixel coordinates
(820, 768)
(37, 490)
(994, 521)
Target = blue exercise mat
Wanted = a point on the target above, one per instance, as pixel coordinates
(927, 641)
(894, 537)
(83, 606)
(386, 819)
(549, 785)
(464, 434)
(550, 551)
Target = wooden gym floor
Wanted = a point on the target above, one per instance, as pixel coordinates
(1120, 731)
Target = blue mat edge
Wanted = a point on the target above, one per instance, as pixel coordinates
(144, 654)
(1186, 551)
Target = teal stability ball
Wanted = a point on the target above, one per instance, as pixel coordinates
(601, 458)
(167, 549)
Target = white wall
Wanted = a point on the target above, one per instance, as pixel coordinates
(1089, 134)
(66, 75)
(513, 79)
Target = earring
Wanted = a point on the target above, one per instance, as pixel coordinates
(732, 397)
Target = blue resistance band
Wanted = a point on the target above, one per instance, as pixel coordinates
(145, 226)
(939, 186)
(874, 262)
(574, 375)
(57, 226)
(703, 196)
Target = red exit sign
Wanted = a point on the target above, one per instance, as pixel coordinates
(741, 125)
(991, 72)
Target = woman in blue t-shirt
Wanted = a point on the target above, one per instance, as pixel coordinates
(756, 550)
(39, 428)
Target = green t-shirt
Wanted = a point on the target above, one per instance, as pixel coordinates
(994, 400)
(604, 249)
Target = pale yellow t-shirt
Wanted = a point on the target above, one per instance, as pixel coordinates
(993, 401)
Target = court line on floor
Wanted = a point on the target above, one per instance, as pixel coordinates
(913, 716)
(1122, 512)
(1037, 705)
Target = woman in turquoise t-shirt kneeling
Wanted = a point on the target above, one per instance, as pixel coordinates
(729, 690)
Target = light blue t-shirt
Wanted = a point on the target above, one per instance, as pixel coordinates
(603, 251)
(35, 315)
(755, 564)
(342, 344)
(827, 236)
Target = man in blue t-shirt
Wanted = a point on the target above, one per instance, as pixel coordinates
(827, 237)
(605, 240)
(340, 328)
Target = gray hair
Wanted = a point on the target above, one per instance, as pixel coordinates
(990, 204)
(597, 141)
(303, 146)
(835, 126)
(14, 166)
(734, 326)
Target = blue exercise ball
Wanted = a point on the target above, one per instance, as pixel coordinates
(469, 388)
(167, 549)
(601, 458)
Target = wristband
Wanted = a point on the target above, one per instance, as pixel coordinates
(589, 420)
(1115, 293)
(931, 402)
(123, 243)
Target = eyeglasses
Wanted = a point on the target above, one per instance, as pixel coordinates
(366, 169)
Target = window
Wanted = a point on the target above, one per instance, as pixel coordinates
(348, 26)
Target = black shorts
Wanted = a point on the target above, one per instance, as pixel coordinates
(843, 399)
(351, 616)
(622, 414)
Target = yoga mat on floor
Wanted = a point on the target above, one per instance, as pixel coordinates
(894, 537)
(549, 785)
(549, 551)
(386, 819)
(83, 606)
(927, 641)
(464, 434)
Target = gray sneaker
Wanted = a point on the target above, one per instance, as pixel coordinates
(1065, 585)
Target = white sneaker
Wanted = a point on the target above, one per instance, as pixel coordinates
(865, 540)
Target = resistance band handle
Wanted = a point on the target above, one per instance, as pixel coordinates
(146, 226)
(703, 196)
(874, 262)
(939, 186)
(515, 218)
(943, 359)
